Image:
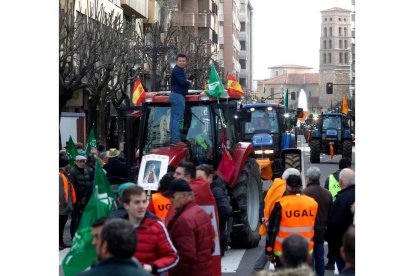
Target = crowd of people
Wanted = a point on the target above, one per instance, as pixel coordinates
(182, 240)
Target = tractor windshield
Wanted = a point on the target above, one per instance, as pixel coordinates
(196, 129)
(262, 119)
(332, 122)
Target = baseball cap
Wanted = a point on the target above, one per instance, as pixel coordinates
(80, 157)
(178, 185)
(294, 181)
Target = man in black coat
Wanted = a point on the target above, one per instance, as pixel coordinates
(115, 250)
(115, 168)
(341, 215)
(324, 199)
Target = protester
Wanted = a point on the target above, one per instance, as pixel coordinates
(115, 249)
(115, 168)
(348, 251)
(332, 184)
(341, 217)
(274, 193)
(332, 181)
(324, 199)
(179, 89)
(159, 203)
(80, 178)
(293, 210)
(155, 250)
(295, 258)
(120, 212)
(67, 199)
(222, 200)
(191, 231)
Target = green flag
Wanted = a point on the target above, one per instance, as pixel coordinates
(91, 140)
(71, 151)
(287, 99)
(82, 253)
(215, 86)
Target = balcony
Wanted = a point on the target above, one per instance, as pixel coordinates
(242, 17)
(243, 54)
(243, 36)
(221, 40)
(243, 73)
(221, 17)
(206, 20)
(138, 8)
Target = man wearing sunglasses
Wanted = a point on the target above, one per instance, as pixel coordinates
(80, 178)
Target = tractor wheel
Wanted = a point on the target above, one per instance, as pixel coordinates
(246, 198)
(347, 149)
(315, 151)
(293, 161)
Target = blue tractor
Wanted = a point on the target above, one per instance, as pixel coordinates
(266, 128)
(331, 136)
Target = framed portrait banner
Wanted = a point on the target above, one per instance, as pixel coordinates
(153, 167)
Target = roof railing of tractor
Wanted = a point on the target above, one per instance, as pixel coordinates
(193, 96)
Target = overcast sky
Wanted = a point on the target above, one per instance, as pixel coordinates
(288, 32)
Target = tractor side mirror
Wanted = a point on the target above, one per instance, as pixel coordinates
(244, 116)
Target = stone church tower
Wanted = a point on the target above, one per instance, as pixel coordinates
(335, 55)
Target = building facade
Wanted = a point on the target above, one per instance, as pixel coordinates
(229, 32)
(246, 45)
(335, 55)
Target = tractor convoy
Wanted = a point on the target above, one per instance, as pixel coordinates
(210, 123)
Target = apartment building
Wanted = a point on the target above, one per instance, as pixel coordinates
(246, 45)
(229, 32)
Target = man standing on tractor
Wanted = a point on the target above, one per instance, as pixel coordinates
(179, 89)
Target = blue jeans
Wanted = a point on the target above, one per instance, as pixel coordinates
(318, 258)
(177, 102)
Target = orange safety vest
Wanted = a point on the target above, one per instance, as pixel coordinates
(161, 205)
(66, 189)
(274, 193)
(298, 216)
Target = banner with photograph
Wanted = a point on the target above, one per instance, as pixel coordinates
(153, 167)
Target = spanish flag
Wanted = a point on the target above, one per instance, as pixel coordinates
(344, 105)
(138, 93)
(233, 85)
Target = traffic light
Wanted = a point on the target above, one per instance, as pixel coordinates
(329, 88)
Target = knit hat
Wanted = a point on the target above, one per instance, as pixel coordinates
(294, 181)
(122, 187)
(63, 162)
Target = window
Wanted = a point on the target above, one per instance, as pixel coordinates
(339, 19)
(340, 31)
(243, 64)
(324, 58)
(243, 45)
(326, 31)
(340, 44)
(242, 26)
(330, 19)
(324, 44)
(272, 92)
(330, 31)
(310, 94)
(346, 44)
(345, 31)
(340, 58)
(329, 58)
(330, 44)
(326, 19)
(346, 58)
(345, 19)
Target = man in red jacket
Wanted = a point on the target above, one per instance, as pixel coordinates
(191, 232)
(154, 250)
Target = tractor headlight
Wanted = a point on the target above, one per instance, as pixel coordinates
(258, 152)
(268, 152)
(148, 100)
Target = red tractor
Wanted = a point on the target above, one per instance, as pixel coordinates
(206, 120)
